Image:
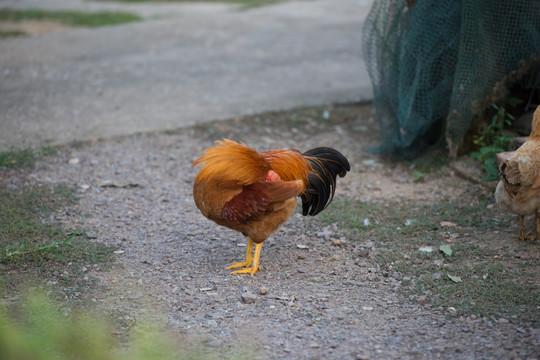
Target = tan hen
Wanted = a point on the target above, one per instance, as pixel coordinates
(519, 187)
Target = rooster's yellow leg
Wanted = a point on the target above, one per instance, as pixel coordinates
(249, 257)
(255, 265)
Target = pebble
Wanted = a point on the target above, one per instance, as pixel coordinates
(302, 270)
(363, 253)
(263, 290)
(91, 234)
(73, 161)
(436, 276)
(249, 297)
(438, 262)
(503, 321)
(422, 299)
(214, 343)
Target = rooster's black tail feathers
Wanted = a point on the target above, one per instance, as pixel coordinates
(327, 165)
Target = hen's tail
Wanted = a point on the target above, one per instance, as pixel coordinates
(327, 164)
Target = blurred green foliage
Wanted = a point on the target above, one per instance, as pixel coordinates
(70, 18)
(40, 331)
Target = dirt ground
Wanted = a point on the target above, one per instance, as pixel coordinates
(311, 299)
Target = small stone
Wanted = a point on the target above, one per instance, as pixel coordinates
(263, 290)
(503, 321)
(302, 270)
(422, 299)
(363, 253)
(73, 161)
(335, 257)
(249, 297)
(362, 357)
(314, 345)
(214, 343)
(436, 276)
(426, 249)
(91, 234)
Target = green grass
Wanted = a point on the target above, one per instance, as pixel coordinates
(25, 158)
(246, 4)
(11, 33)
(503, 287)
(40, 331)
(17, 158)
(70, 18)
(33, 247)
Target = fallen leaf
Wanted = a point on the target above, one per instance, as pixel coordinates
(426, 249)
(447, 224)
(455, 279)
(446, 249)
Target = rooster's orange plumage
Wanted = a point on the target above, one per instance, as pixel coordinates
(254, 193)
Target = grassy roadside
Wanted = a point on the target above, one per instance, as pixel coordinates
(34, 247)
(243, 3)
(66, 18)
(24, 158)
(70, 18)
(480, 277)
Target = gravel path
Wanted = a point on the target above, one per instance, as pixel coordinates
(318, 296)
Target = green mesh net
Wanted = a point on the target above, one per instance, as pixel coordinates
(435, 65)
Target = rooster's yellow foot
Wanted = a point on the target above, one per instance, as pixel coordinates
(240, 264)
(251, 264)
(247, 270)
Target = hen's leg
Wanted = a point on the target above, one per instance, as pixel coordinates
(254, 265)
(528, 236)
(249, 257)
(521, 226)
(538, 226)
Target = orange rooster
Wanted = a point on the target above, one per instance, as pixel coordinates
(254, 193)
(519, 187)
